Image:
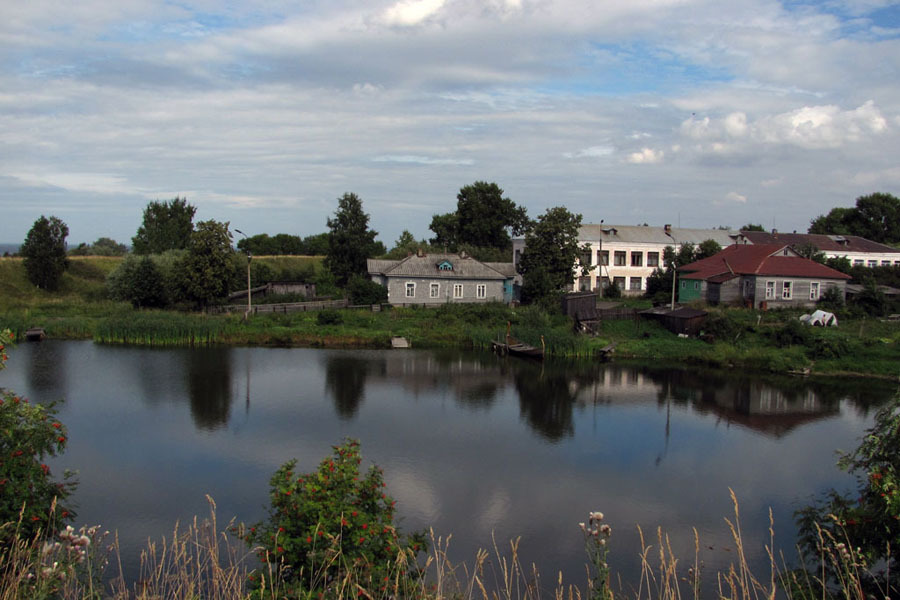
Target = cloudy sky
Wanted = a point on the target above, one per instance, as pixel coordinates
(698, 112)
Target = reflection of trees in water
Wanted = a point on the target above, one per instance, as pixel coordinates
(345, 379)
(47, 370)
(545, 401)
(209, 386)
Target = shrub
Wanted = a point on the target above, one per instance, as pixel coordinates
(329, 316)
(28, 434)
(793, 333)
(612, 291)
(329, 524)
(365, 291)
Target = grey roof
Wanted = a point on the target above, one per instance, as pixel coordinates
(825, 243)
(427, 266)
(637, 234)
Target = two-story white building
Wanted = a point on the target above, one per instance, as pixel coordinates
(627, 254)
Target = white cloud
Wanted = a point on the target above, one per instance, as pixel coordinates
(422, 160)
(646, 156)
(591, 152)
(411, 12)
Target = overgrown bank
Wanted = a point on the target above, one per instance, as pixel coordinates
(771, 341)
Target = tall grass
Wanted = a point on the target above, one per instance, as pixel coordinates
(204, 561)
(156, 328)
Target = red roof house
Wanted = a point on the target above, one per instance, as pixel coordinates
(762, 276)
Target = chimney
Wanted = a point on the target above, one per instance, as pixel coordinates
(775, 232)
(420, 253)
(668, 228)
(463, 254)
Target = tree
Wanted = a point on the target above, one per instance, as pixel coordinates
(45, 252)
(332, 530)
(810, 251)
(551, 249)
(350, 241)
(102, 247)
(365, 291)
(865, 524)
(139, 281)
(207, 267)
(706, 249)
(483, 218)
(316, 245)
(753, 227)
(875, 217)
(166, 226)
(29, 433)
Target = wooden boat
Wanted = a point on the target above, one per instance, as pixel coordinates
(35, 334)
(514, 347)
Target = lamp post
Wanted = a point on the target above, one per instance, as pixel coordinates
(668, 232)
(249, 258)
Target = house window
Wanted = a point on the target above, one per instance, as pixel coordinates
(481, 291)
(653, 259)
(445, 265)
(684, 285)
(619, 282)
(634, 283)
(585, 259)
(604, 258)
(410, 289)
(814, 290)
(786, 290)
(873, 263)
(457, 290)
(637, 259)
(770, 290)
(858, 262)
(619, 258)
(434, 290)
(696, 285)
(885, 263)
(584, 283)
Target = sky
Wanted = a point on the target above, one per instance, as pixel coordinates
(697, 113)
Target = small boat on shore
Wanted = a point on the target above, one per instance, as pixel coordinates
(513, 347)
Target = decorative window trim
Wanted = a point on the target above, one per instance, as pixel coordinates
(481, 290)
(815, 289)
(457, 290)
(410, 287)
(770, 290)
(787, 290)
(434, 290)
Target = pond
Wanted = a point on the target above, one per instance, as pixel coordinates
(473, 445)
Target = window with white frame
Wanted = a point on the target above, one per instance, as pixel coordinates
(481, 291)
(814, 290)
(787, 290)
(410, 289)
(873, 263)
(434, 291)
(457, 290)
(770, 290)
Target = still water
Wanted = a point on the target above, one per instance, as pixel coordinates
(480, 447)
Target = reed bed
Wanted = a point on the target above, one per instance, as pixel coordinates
(204, 561)
(153, 328)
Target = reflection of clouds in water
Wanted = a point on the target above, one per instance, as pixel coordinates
(495, 511)
(415, 495)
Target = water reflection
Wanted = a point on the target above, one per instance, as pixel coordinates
(208, 379)
(48, 372)
(546, 400)
(345, 380)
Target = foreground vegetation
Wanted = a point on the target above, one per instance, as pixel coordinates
(766, 341)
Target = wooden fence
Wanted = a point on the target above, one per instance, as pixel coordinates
(282, 308)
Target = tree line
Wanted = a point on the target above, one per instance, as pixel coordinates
(176, 262)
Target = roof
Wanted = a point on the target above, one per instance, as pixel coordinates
(825, 243)
(768, 259)
(426, 265)
(644, 234)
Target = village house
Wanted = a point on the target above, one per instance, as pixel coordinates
(442, 278)
(761, 276)
(859, 251)
(627, 255)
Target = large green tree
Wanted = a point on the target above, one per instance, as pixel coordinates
(483, 218)
(350, 241)
(551, 248)
(207, 268)
(45, 252)
(166, 226)
(875, 217)
(102, 247)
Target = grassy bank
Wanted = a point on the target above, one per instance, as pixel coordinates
(735, 338)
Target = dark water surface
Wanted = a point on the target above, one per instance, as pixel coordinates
(470, 444)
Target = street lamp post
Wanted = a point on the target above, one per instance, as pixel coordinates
(249, 296)
(668, 232)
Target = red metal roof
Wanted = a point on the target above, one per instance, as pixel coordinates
(758, 260)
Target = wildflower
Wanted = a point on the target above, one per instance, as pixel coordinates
(606, 530)
(596, 516)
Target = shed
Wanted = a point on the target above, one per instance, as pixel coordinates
(582, 307)
(683, 320)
